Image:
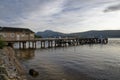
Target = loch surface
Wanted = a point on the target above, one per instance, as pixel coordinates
(83, 62)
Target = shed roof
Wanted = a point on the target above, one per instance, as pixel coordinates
(13, 29)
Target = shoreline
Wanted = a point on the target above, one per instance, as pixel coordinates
(10, 67)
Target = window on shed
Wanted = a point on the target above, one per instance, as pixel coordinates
(12, 34)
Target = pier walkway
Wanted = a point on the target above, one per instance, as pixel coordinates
(56, 42)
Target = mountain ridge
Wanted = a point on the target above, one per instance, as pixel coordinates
(86, 34)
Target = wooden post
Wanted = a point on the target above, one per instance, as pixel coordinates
(24, 45)
(65, 43)
(35, 44)
(77, 42)
(48, 43)
(51, 43)
(55, 43)
(41, 44)
(19, 45)
(32, 44)
(44, 44)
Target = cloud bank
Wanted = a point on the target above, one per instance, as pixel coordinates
(60, 15)
(112, 8)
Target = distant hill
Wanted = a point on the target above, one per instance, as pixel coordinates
(50, 33)
(93, 33)
(104, 33)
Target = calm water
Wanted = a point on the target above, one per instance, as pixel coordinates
(85, 62)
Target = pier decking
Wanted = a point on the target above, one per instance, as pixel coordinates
(56, 42)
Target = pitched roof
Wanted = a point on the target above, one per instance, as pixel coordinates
(13, 29)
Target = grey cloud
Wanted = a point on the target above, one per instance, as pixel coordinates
(14, 9)
(112, 8)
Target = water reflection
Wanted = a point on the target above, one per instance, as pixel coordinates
(25, 54)
(86, 62)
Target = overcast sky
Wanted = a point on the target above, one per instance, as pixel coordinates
(61, 15)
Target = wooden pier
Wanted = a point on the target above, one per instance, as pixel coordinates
(55, 42)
